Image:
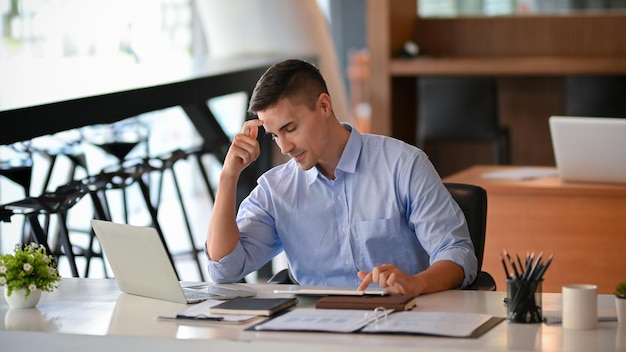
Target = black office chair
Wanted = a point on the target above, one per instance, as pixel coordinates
(453, 109)
(601, 96)
(473, 202)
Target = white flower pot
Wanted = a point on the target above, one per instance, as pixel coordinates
(18, 298)
(620, 307)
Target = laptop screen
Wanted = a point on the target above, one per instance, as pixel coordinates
(589, 149)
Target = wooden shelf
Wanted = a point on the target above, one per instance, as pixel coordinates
(507, 66)
(529, 55)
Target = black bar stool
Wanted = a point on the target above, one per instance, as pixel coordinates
(52, 203)
(19, 170)
(198, 153)
(118, 140)
(166, 165)
(77, 160)
(120, 179)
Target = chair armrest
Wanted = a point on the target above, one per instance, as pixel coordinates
(484, 282)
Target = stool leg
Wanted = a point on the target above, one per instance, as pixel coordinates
(48, 177)
(65, 242)
(159, 195)
(194, 250)
(90, 254)
(153, 214)
(125, 204)
(75, 162)
(37, 232)
(101, 212)
(205, 176)
(41, 238)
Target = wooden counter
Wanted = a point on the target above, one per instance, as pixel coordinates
(582, 224)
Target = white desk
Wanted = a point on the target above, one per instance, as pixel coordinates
(91, 315)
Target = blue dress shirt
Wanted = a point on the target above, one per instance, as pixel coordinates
(387, 205)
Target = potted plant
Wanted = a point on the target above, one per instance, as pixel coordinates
(26, 273)
(620, 302)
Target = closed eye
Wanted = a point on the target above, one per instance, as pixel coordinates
(287, 128)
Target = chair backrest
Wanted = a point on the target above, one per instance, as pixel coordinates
(457, 108)
(595, 96)
(472, 200)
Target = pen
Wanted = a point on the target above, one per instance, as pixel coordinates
(200, 317)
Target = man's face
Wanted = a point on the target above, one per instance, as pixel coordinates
(298, 131)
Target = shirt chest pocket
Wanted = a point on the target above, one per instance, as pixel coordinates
(383, 241)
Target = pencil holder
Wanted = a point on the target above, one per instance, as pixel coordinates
(524, 301)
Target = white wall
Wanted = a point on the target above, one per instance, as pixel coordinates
(284, 27)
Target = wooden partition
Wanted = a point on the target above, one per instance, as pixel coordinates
(580, 224)
(530, 55)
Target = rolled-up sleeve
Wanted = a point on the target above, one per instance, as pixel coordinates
(257, 245)
(439, 222)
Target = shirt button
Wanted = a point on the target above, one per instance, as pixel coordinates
(343, 229)
(340, 197)
(347, 261)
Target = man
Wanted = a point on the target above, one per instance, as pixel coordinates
(348, 209)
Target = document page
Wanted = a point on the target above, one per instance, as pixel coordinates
(331, 320)
(522, 173)
(430, 323)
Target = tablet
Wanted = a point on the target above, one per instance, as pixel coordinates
(331, 291)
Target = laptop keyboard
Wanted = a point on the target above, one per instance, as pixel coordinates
(214, 292)
(192, 294)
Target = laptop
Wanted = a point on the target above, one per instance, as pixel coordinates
(589, 149)
(141, 266)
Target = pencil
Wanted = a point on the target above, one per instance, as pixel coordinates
(506, 270)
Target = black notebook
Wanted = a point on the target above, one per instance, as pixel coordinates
(253, 306)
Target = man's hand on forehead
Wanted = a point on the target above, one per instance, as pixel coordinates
(251, 127)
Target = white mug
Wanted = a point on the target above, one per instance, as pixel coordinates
(580, 307)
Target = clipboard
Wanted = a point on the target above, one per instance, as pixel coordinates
(382, 321)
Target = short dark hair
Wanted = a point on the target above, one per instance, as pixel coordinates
(294, 79)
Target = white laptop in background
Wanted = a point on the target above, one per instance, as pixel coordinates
(141, 266)
(589, 149)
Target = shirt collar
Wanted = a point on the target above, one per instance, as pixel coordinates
(349, 158)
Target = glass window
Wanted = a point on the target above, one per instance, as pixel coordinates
(454, 8)
(134, 29)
